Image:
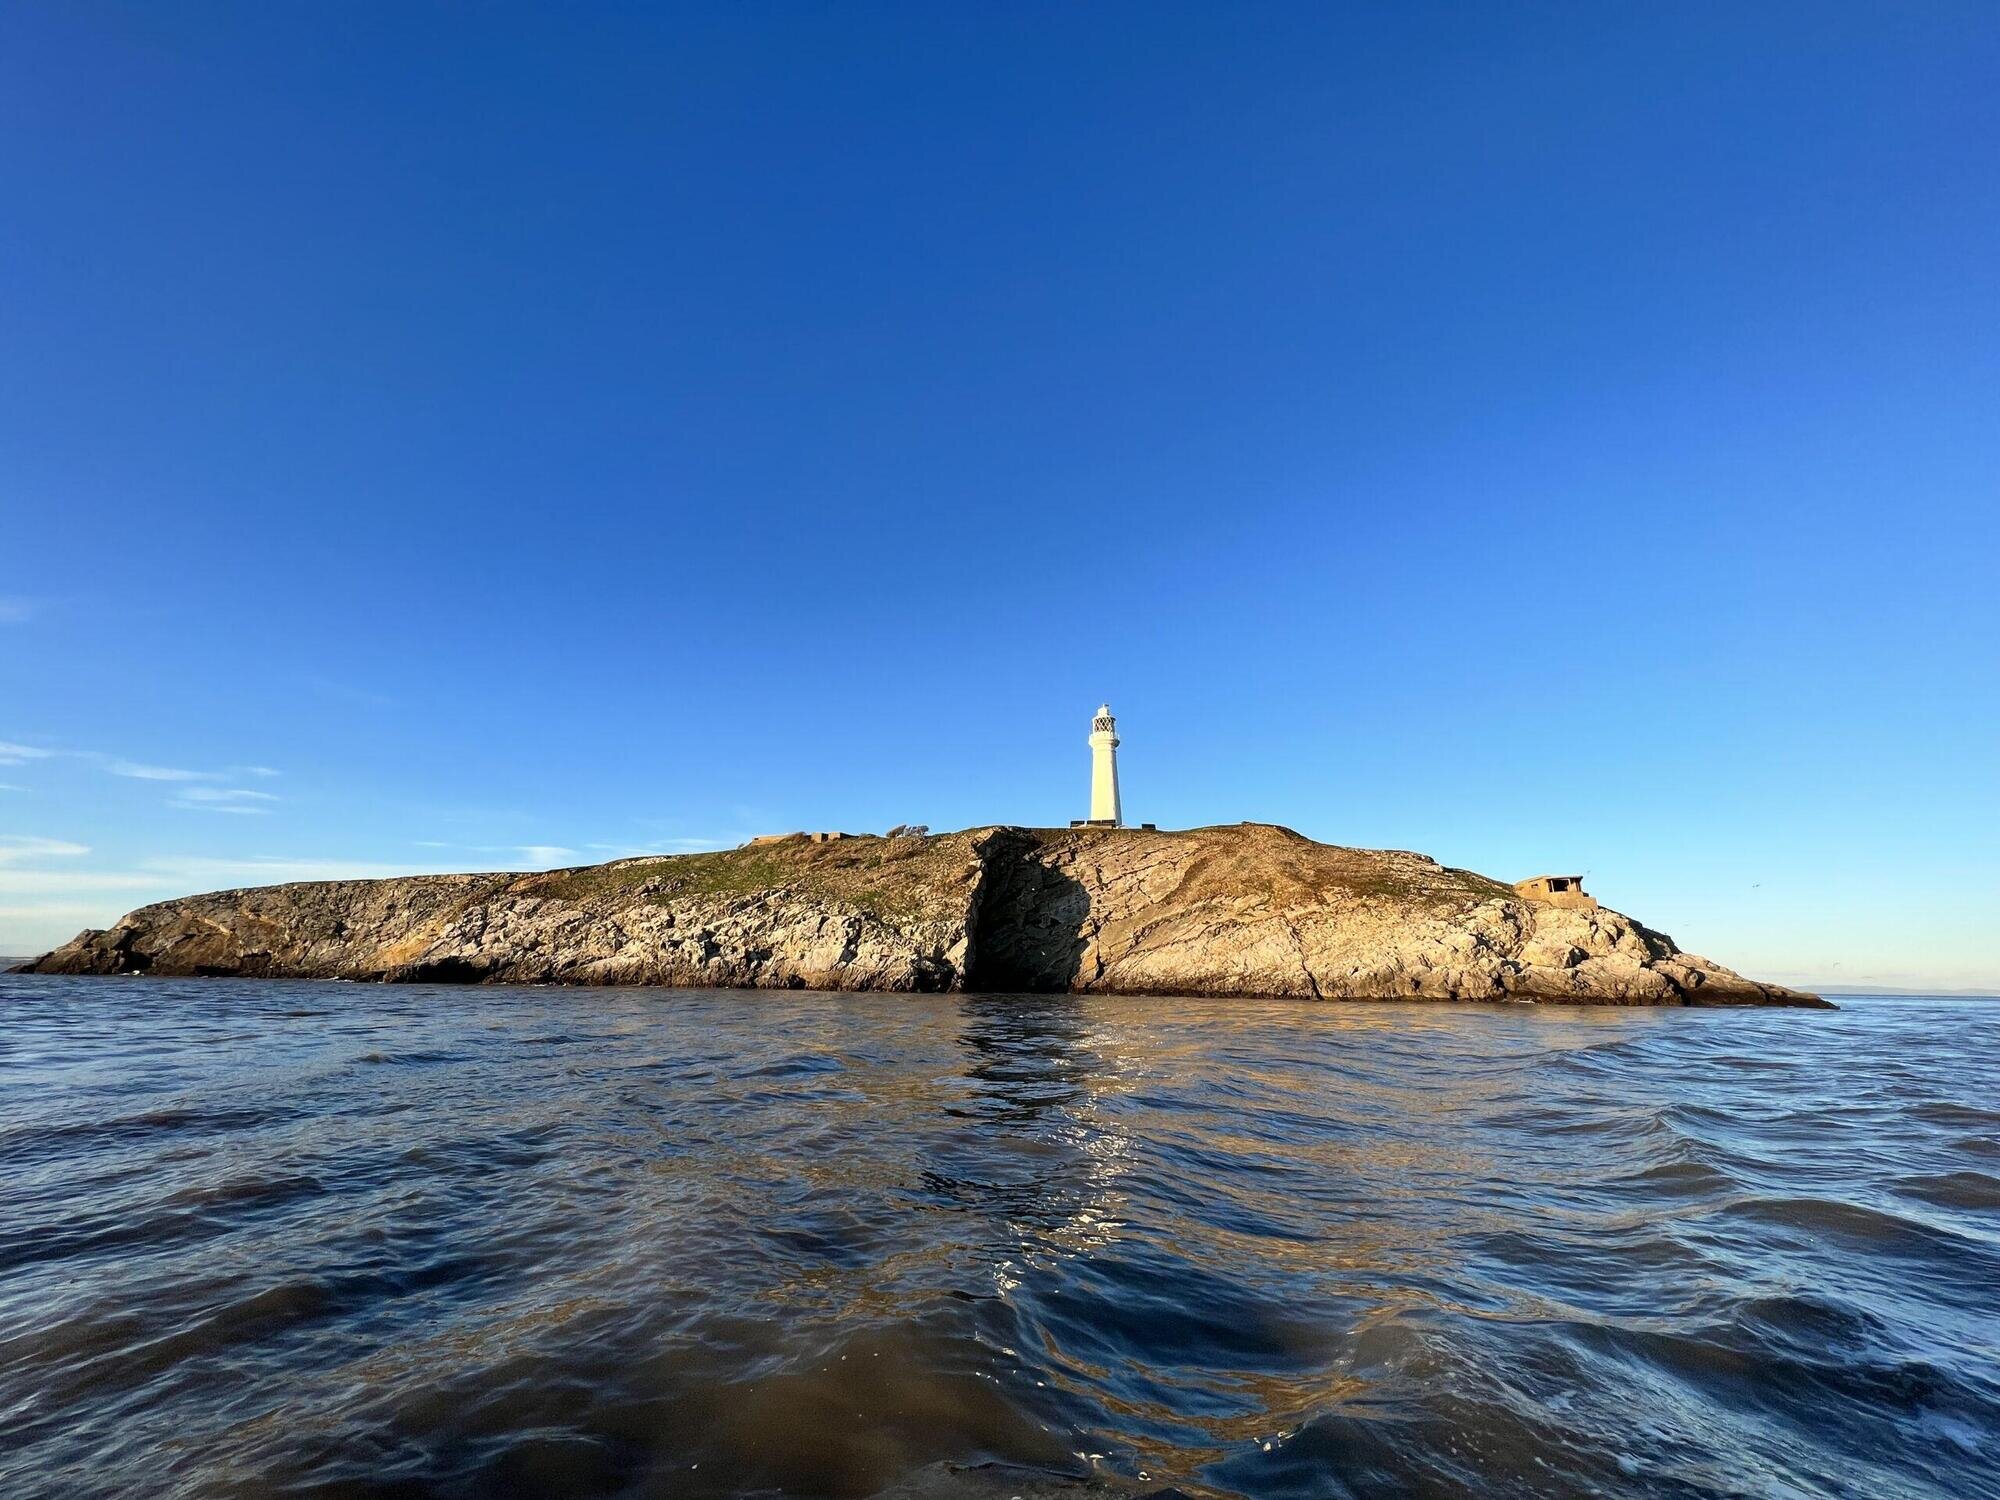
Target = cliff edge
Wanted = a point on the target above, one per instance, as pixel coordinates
(1248, 909)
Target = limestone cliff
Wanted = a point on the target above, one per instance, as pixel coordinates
(1244, 910)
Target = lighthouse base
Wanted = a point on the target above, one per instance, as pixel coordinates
(1108, 823)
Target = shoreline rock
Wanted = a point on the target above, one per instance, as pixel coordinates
(1247, 909)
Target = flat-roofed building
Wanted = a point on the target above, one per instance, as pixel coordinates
(1557, 890)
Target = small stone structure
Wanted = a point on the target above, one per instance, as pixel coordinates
(1557, 890)
(779, 838)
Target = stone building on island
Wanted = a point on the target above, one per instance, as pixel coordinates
(1557, 890)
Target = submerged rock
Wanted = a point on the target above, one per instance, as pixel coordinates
(1249, 909)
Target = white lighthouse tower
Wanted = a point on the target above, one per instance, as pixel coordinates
(1106, 811)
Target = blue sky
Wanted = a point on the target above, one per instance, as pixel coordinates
(1550, 437)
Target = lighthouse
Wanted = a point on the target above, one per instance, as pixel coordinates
(1105, 809)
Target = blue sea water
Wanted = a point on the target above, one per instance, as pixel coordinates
(323, 1239)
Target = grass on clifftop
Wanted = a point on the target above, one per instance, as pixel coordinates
(928, 879)
(909, 879)
(1229, 860)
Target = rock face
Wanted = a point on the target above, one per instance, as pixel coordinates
(1249, 909)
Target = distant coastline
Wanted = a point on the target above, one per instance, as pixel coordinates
(1894, 993)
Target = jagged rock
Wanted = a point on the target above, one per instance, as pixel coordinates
(1249, 909)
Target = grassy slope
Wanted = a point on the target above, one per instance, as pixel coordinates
(928, 879)
(896, 879)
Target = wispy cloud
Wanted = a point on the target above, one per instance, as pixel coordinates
(663, 847)
(17, 846)
(346, 692)
(236, 799)
(14, 753)
(14, 610)
(187, 874)
(35, 882)
(8, 786)
(39, 913)
(180, 876)
(550, 854)
(140, 772)
(538, 854)
(534, 854)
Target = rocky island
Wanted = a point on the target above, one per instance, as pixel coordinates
(1247, 909)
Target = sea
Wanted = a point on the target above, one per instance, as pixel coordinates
(329, 1239)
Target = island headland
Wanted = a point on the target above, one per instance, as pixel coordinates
(1244, 909)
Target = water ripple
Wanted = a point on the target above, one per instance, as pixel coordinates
(261, 1238)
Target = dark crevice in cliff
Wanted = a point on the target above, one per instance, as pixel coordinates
(1027, 922)
(441, 971)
